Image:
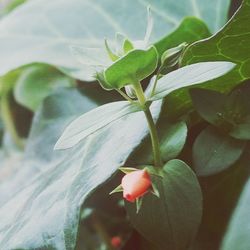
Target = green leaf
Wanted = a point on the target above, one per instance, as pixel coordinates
(214, 152)
(191, 29)
(190, 75)
(50, 187)
(133, 67)
(172, 139)
(127, 46)
(94, 120)
(171, 221)
(39, 32)
(37, 82)
(230, 44)
(209, 104)
(237, 235)
(230, 113)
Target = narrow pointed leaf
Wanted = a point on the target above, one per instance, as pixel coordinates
(127, 170)
(117, 190)
(94, 120)
(190, 75)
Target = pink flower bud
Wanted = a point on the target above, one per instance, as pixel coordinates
(135, 184)
(116, 241)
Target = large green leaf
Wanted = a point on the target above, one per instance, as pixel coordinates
(214, 151)
(43, 30)
(171, 221)
(37, 82)
(190, 75)
(50, 187)
(231, 113)
(93, 121)
(231, 43)
(237, 235)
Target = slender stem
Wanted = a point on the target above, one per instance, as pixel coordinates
(139, 93)
(124, 95)
(155, 83)
(154, 139)
(151, 125)
(8, 120)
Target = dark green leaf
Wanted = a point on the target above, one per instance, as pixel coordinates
(190, 75)
(171, 221)
(209, 104)
(213, 151)
(231, 113)
(41, 31)
(50, 187)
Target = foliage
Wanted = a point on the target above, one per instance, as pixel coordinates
(66, 130)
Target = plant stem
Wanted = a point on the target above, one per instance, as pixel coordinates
(155, 83)
(8, 120)
(154, 139)
(151, 125)
(124, 95)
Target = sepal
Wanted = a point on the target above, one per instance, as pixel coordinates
(138, 204)
(117, 190)
(127, 170)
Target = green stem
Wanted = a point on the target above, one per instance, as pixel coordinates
(124, 95)
(8, 121)
(151, 125)
(155, 83)
(154, 139)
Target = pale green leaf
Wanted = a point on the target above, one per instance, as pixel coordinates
(43, 30)
(94, 120)
(50, 186)
(190, 75)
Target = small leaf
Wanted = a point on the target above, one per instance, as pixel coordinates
(94, 120)
(111, 54)
(170, 222)
(127, 46)
(138, 204)
(117, 190)
(213, 151)
(127, 170)
(155, 190)
(190, 75)
(134, 66)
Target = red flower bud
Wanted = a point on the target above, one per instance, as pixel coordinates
(116, 241)
(135, 184)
